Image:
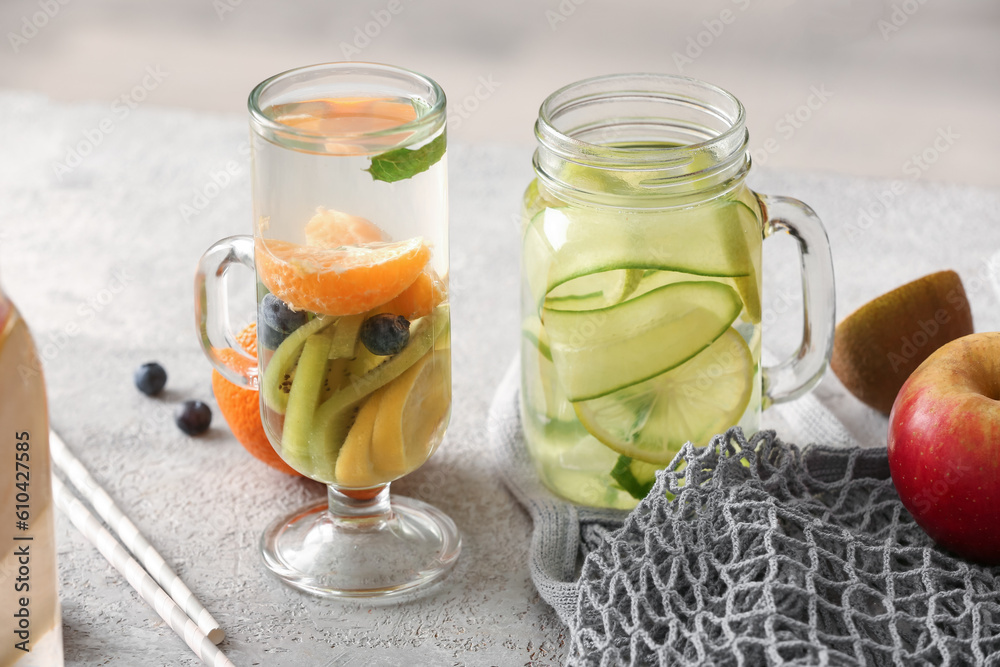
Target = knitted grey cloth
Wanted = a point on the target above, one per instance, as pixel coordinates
(767, 555)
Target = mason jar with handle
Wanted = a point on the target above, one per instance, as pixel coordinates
(641, 284)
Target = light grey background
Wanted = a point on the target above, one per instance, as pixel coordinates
(896, 70)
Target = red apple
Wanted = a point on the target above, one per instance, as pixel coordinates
(944, 446)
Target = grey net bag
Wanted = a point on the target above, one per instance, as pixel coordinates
(765, 555)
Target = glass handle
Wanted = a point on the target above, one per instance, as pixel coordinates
(800, 372)
(211, 308)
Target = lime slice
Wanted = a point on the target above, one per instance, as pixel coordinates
(651, 420)
(597, 352)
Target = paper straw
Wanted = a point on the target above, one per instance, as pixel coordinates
(130, 536)
(157, 598)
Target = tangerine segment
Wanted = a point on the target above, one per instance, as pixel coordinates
(345, 115)
(247, 338)
(420, 298)
(341, 281)
(351, 120)
(241, 407)
(333, 229)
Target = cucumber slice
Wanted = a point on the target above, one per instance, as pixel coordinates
(283, 360)
(651, 420)
(533, 333)
(423, 333)
(705, 240)
(561, 298)
(597, 352)
(597, 290)
(302, 400)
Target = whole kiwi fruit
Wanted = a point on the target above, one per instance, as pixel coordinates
(876, 347)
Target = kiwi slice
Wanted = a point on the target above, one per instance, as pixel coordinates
(336, 377)
(303, 399)
(423, 333)
(345, 340)
(323, 461)
(283, 362)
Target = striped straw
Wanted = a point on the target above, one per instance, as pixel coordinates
(168, 610)
(130, 536)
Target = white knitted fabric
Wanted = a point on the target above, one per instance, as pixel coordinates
(766, 555)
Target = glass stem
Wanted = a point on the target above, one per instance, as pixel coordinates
(359, 509)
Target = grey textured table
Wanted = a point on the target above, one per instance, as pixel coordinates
(99, 254)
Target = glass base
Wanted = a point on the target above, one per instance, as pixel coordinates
(353, 546)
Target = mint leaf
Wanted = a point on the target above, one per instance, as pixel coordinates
(403, 163)
(622, 473)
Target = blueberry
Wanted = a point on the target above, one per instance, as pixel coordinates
(150, 378)
(385, 334)
(193, 417)
(276, 314)
(269, 338)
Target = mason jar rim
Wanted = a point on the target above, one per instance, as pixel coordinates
(423, 126)
(668, 88)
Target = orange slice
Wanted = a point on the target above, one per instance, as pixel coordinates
(241, 407)
(333, 229)
(419, 299)
(348, 117)
(345, 115)
(340, 281)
